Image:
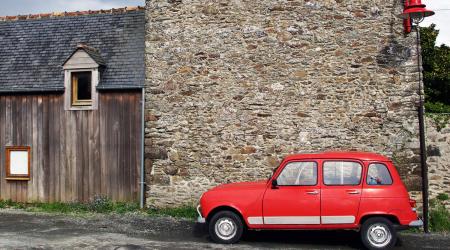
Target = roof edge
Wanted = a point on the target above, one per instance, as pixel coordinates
(62, 89)
(119, 87)
(31, 90)
(71, 14)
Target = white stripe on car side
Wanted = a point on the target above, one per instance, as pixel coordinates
(303, 220)
(255, 220)
(286, 220)
(338, 219)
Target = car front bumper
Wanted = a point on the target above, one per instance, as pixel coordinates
(200, 218)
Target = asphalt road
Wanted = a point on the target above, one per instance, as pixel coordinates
(23, 230)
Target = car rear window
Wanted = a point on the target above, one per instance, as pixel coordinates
(378, 174)
(341, 173)
(298, 174)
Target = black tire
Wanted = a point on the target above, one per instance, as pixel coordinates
(227, 222)
(383, 234)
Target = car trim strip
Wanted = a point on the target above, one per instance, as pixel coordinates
(338, 219)
(255, 220)
(305, 220)
(301, 220)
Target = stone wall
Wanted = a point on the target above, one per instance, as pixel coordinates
(233, 86)
(438, 151)
(438, 158)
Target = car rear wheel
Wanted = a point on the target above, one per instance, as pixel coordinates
(225, 227)
(378, 233)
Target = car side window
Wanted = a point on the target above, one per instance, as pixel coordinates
(341, 173)
(298, 174)
(378, 174)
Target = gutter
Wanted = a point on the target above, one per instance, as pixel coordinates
(32, 91)
(142, 181)
(62, 89)
(119, 87)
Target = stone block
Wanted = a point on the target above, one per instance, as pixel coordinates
(162, 180)
(433, 150)
(413, 183)
(248, 150)
(171, 170)
(156, 153)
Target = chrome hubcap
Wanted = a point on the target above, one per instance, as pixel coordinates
(379, 235)
(225, 228)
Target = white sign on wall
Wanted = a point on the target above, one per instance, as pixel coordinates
(17, 163)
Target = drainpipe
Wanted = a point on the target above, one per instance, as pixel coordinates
(142, 181)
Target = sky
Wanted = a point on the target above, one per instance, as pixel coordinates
(20, 7)
(441, 18)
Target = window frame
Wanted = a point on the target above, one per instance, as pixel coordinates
(295, 161)
(11, 177)
(95, 78)
(387, 168)
(75, 102)
(344, 160)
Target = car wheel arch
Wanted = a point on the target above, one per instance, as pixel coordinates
(394, 219)
(226, 208)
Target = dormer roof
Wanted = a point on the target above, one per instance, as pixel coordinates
(93, 53)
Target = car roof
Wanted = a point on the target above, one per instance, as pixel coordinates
(363, 156)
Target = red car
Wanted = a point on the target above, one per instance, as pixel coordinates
(334, 190)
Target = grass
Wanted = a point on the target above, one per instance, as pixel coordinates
(437, 107)
(442, 197)
(439, 214)
(99, 205)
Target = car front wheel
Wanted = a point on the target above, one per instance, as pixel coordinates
(378, 233)
(225, 227)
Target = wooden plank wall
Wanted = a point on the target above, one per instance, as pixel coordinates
(74, 154)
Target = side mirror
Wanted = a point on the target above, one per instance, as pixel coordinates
(274, 184)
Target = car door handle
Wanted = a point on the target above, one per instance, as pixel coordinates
(352, 191)
(312, 192)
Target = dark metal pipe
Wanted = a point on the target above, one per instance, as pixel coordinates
(423, 153)
(142, 170)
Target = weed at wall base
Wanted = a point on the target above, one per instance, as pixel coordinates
(99, 205)
(439, 214)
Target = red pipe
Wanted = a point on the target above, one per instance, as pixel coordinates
(407, 22)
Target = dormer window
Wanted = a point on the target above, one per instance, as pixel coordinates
(82, 88)
(82, 75)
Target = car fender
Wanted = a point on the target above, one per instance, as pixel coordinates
(377, 213)
(209, 209)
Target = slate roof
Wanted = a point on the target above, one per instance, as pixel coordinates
(32, 51)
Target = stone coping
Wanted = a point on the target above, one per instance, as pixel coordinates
(71, 14)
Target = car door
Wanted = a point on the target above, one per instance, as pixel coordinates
(341, 191)
(295, 200)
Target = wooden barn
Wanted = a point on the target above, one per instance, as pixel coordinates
(71, 106)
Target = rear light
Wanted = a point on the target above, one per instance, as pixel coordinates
(412, 203)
